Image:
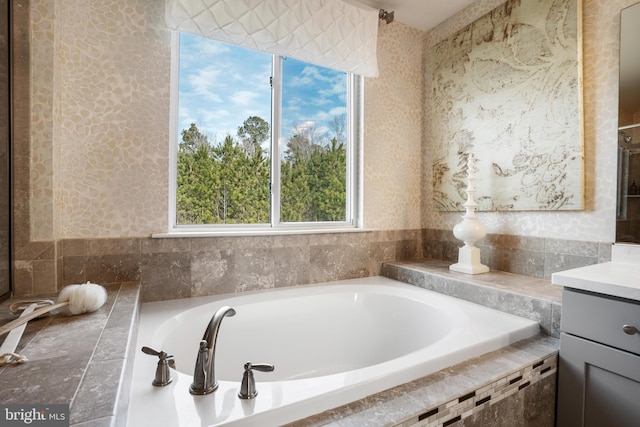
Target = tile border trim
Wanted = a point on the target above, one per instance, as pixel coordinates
(476, 400)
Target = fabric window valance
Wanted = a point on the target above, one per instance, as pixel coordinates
(329, 33)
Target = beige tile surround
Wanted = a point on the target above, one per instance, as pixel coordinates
(528, 256)
(185, 267)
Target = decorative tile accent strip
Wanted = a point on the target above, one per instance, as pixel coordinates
(467, 404)
(451, 421)
(483, 400)
(516, 379)
(466, 396)
(428, 414)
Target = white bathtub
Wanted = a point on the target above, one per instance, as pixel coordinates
(331, 344)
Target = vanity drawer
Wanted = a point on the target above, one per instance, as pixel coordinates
(601, 319)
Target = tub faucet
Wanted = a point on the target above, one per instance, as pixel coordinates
(204, 378)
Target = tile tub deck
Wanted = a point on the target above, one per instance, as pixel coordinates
(77, 360)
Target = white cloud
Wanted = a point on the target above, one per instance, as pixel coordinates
(338, 111)
(205, 82)
(320, 100)
(208, 48)
(244, 97)
(314, 73)
(305, 126)
(308, 76)
(194, 48)
(322, 116)
(338, 87)
(299, 81)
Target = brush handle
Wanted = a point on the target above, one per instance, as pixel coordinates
(24, 319)
(13, 339)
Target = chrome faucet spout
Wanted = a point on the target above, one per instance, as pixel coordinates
(204, 378)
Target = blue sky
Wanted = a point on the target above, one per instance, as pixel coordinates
(221, 85)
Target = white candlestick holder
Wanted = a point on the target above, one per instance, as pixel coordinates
(469, 230)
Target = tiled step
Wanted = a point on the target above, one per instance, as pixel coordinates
(524, 296)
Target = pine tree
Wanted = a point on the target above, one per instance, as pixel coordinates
(229, 182)
(327, 166)
(195, 183)
(253, 132)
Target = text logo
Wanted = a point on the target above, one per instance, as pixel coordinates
(34, 415)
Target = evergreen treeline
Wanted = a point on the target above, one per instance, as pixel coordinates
(228, 182)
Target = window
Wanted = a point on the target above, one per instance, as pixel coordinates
(260, 141)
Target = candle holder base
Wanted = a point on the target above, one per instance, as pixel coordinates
(469, 261)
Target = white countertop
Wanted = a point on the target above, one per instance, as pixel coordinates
(611, 278)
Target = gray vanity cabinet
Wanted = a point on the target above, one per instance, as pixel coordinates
(599, 371)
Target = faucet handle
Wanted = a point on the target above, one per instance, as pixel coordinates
(152, 352)
(163, 375)
(263, 367)
(161, 354)
(248, 386)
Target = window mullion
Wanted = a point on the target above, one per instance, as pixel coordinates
(173, 131)
(356, 163)
(276, 119)
(349, 181)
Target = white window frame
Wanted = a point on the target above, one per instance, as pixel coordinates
(354, 178)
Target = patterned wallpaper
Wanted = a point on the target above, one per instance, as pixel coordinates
(104, 173)
(600, 71)
(100, 118)
(42, 118)
(393, 131)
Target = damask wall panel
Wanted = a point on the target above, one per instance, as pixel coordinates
(508, 89)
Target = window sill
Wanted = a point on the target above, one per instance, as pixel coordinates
(265, 232)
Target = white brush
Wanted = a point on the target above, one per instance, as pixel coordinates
(80, 299)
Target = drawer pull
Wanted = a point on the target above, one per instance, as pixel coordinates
(630, 330)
